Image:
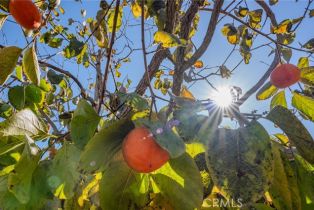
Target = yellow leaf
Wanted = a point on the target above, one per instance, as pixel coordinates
(198, 64)
(233, 39)
(171, 72)
(90, 189)
(243, 11)
(167, 40)
(283, 27)
(136, 9)
(185, 93)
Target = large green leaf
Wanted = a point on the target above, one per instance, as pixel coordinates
(284, 189)
(24, 122)
(8, 59)
(104, 145)
(83, 124)
(180, 183)
(267, 91)
(295, 131)
(19, 181)
(31, 66)
(63, 173)
(16, 97)
(307, 75)
(129, 187)
(305, 175)
(240, 161)
(279, 99)
(304, 104)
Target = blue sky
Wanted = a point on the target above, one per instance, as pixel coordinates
(245, 76)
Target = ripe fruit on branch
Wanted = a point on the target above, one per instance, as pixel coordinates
(141, 152)
(26, 13)
(285, 75)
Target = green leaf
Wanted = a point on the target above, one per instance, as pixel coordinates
(295, 131)
(19, 181)
(128, 186)
(34, 94)
(179, 180)
(279, 99)
(110, 20)
(84, 123)
(307, 75)
(54, 78)
(40, 190)
(284, 189)
(3, 18)
(304, 104)
(303, 62)
(309, 44)
(11, 144)
(166, 137)
(267, 91)
(286, 54)
(74, 48)
(305, 174)
(134, 100)
(24, 122)
(16, 97)
(240, 161)
(104, 145)
(31, 66)
(8, 59)
(63, 173)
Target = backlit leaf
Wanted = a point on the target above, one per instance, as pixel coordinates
(267, 91)
(304, 104)
(110, 19)
(279, 99)
(24, 122)
(128, 186)
(176, 180)
(229, 30)
(167, 40)
(185, 93)
(240, 161)
(295, 131)
(307, 75)
(303, 62)
(8, 59)
(31, 66)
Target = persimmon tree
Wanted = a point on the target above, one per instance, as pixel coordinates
(69, 144)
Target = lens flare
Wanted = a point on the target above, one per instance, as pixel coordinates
(222, 96)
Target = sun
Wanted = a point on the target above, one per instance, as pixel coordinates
(222, 96)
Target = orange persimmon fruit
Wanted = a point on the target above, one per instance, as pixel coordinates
(141, 152)
(25, 13)
(285, 75)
